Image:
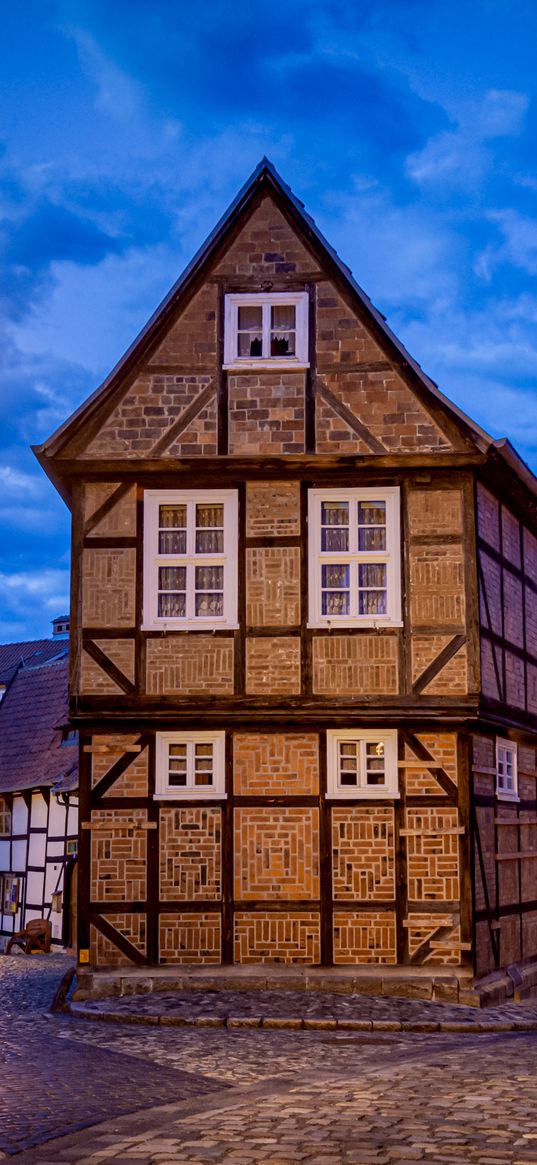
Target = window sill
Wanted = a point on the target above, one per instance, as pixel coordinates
(366, 621)
(363, 795)
(192, 625)
(266, 364)
(513, 797)
(190, 795)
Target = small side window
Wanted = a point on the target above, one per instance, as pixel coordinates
(362, 765)
(506, 770)
(190, 766)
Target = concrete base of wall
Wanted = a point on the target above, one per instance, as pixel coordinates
(442, 985)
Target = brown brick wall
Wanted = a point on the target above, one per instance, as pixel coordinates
(266, 412)
(266, 246)
(382, 402)
(150, 406)
(120, 520)
(432, 854)
(421, 928)
(351, 665)
(191, 340)
(118, 855)
(364, 936)
(453, 677)
(94, 680)
(277, 938)
(275, 764)
(133, 782)
(104, 953)
(435, 511)
(199, 665)
(363, 853)
(190, 938)
(108, 588)
(437, 584)
(273, 666)
(272, 509)
(190, 853)
(199, 439)
(273, 586)
(276, 854)
(488, 517)
(419, 781)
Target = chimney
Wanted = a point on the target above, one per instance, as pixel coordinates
(60, 627)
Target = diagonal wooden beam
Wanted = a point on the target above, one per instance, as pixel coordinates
(430, 763)
(438, 663)
(118, 939)
(104, 510)
(424, 949)
(110, 668)
(114, 773)
(346, 415)
(187, 416)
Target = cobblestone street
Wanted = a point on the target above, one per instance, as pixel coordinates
(246, 1095)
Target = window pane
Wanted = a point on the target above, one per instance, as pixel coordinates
(375, 771)
(250, 331)
(177, 765)
(250, 318)
(209, 590)
(335, 581)
(209, 529)
(282, 332)
(172, 606)
(372, 603)
(334, 526)
(172, 530)
(371, 525)
(372, 574)
(172, 587)
(348, 763)
(203, 765)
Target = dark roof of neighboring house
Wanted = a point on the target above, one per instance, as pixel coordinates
(32, 713)
(33, 651)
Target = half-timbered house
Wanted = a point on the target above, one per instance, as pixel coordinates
(304, 640)
(38, 790)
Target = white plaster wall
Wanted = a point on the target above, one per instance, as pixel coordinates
(20, 816)
(39, 812)
(37, 849)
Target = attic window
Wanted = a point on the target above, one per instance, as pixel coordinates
(267, 330)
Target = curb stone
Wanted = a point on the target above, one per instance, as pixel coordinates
(305, 1023)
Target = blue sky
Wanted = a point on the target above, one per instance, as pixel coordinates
(408, 128)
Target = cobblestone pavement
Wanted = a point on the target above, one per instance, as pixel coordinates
(268, 1007)
(435, 1099)
(46, 1085)
(204, 1096)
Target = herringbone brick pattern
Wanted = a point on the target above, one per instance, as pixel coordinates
(200, 665)
(273, 586)
(118, 855)
(108, 587)
(190, 853)
(363, 854)
(272, 764)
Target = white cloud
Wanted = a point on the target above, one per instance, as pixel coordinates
(518, 247)
(460, 158)
(117, 93)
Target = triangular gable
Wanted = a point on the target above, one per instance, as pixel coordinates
(265, 204)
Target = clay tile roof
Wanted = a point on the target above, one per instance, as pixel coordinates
(31, 715)
(32, 651)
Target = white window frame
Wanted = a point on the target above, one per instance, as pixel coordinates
(6, 818)
(362, 792)
(166, 792)
(153, 559)
(391, 556)
(297, 299)
(502, 747)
